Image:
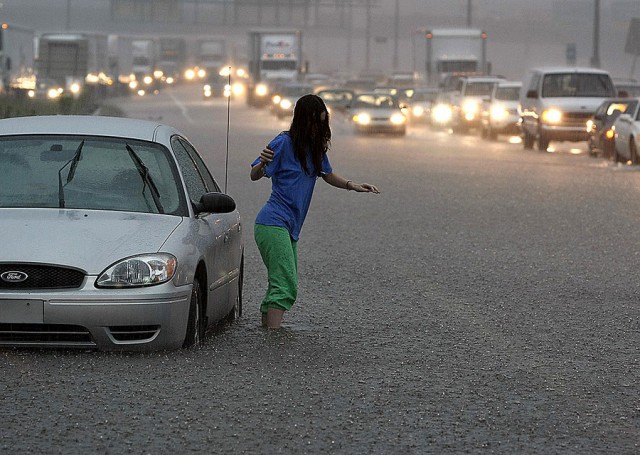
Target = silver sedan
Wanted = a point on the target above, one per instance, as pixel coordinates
(116, 236)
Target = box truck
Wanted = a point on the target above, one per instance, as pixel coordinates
(274, 56)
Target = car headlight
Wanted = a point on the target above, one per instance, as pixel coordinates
(470, 107)
(227, 90)
(262, 90)
(53, 93)
(286, 104)
(136, 271)
(498, 112)
(397, 119)
(442, 113)
(362, 118)
(589, 126)
(276, 99)
(551, 116)
(418, 111)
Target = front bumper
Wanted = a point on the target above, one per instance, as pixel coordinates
(139, 319)
(564, 133)
(381, 127)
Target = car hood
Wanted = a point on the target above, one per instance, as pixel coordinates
(89, 240)
(378, 112)
(574, 104)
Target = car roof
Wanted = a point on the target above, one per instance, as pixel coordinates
(82, 125)
(510, 84)
(569, 69)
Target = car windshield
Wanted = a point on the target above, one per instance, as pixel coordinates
(424, 96)
(507, 93)
(479, 89)
(333, 97)
(84, 172)
(296, 90)
(578, 85)
(375, 101)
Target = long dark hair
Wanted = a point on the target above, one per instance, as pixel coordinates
(310, 133)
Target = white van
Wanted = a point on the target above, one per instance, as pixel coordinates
(556, 103)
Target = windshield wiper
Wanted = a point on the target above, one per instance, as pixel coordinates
(74, 162)
(146, 178)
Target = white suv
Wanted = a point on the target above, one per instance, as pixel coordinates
(556, 103)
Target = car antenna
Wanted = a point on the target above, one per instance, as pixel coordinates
(228, 92)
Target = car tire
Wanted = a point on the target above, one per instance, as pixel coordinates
(616, 155)
(633, 151)
(196, 324)
(543, 142)
(236, 311)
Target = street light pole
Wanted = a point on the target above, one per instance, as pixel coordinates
(595, 59)
(395, 42)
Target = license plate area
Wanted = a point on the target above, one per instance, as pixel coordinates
(22, 311)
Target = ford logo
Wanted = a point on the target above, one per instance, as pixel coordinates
(14, 276)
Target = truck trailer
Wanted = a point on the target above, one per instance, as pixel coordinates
(455, 51)
(17, 71)
(72, 59)
(274, 56)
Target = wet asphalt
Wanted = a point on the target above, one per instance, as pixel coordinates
(485, 302)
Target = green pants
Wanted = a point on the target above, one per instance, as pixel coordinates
(280, 255)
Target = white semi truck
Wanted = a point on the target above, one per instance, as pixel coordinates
(274, 56)
(455, 52)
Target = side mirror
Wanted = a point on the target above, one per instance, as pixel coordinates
(215, 203)
(532, 94)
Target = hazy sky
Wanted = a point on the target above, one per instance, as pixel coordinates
(522, 33)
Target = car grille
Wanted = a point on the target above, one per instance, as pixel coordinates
(45, 335)
(134, 332)
(578, 119)
(42, 277)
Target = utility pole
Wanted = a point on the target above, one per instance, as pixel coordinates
(68, 15)
(469, 13)
(595, 59)
(367, 38)
(396, 27)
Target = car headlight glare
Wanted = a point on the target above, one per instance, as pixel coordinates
(590, 126)
(397, 119)
(470, 107)
(362, 118)
(442, 113)
(286, 104)
(499, 112)
(418, 111)
(551, 116)
(262, 90)
(136, 271)
(276, 99)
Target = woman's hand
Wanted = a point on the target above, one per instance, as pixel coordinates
(363, 188)
(266, 156)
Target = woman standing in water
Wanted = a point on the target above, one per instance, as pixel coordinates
(293, 160)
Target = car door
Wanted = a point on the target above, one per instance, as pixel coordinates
(211, 229)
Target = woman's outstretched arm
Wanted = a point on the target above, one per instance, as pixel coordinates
(338, 181)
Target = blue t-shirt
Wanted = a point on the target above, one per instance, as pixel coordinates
(291, 187)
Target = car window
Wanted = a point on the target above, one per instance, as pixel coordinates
(40, 171)
(196, 186)
(375, 101)
(479, 89)
(202, 168)
(507, 93)
(576, 85)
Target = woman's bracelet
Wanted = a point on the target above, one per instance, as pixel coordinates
(347, 185)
